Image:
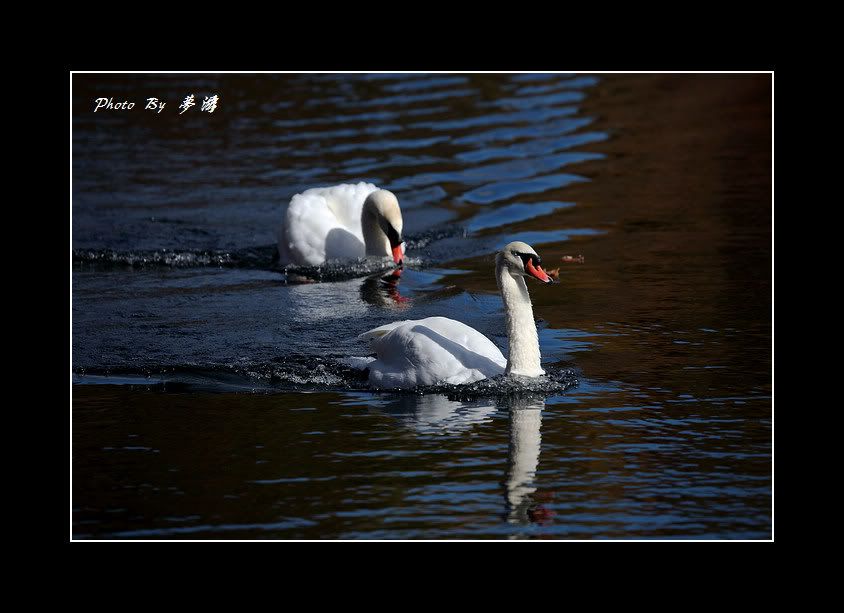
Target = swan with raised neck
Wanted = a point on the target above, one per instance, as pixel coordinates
(439, 350)
(512, 264)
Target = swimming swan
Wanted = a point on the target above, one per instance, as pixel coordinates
(340, 222)
(440, 350)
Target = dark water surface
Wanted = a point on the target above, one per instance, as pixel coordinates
(210, 399)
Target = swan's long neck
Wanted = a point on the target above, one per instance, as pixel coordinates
(524, 357)
(374, 239)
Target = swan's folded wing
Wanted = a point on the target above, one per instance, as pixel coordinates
(308, 222)
(466, 336)
(346, 203)
(430, 351)
(324, 223)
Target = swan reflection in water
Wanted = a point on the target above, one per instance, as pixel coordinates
(437, 414)
(522, 460)
(383, 290)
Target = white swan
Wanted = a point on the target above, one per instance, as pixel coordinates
(440, 350)
(340, 222)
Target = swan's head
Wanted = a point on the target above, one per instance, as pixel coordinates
(383, 207)
(521, 260)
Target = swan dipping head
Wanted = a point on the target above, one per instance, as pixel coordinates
(382, 225)
(521, 260)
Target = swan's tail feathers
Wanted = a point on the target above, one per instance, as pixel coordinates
(377, 333)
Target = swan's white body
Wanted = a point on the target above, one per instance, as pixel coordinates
(438, 350)
(430, 351)
(326, 223)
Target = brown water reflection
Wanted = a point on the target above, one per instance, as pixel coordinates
(681, 279)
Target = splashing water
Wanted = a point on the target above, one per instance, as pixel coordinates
(329, 374)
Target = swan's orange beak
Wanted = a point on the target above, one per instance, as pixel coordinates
(537, 273)
(398, 256)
